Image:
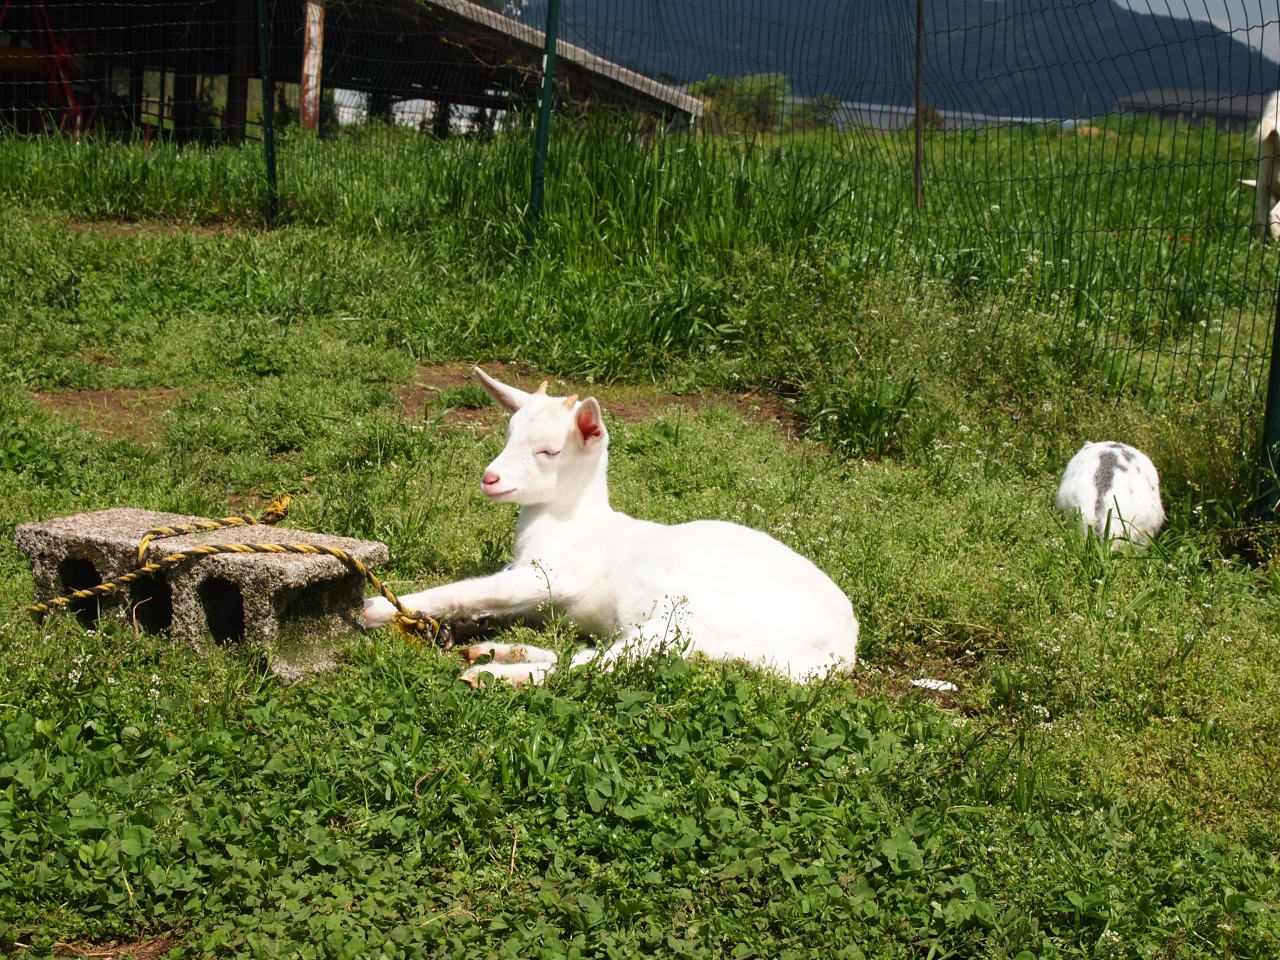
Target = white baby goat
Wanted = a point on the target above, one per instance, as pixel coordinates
(1267, 216)
(726, 591)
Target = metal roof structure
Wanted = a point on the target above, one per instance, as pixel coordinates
(85, 59)
(1231, 111)
(462, 52)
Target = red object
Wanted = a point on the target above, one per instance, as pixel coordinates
(58, 61)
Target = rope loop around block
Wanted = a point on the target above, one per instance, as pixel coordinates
(276, 511)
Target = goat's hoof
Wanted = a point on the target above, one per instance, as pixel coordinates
(503, 653)
(474, 652)
(515, 674)
(472, 677)
(377, 612)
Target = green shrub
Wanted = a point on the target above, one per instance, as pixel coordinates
(863, 415)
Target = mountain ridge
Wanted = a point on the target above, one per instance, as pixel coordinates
(1021, 57)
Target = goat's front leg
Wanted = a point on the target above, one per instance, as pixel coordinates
(505, 594)
(1265, 188)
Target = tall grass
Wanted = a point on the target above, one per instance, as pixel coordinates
(1136, 238)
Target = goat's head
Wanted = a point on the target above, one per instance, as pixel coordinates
(555, 446)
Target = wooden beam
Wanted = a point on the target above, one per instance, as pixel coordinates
(239, 66)
(186, 103)
(312, 63)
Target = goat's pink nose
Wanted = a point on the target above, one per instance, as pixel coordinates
(490, 478)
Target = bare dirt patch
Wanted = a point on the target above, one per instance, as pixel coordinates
(116, 414)
(895, 681)
(135, 949)
(133, 228)
(626, 402)
(131, 414)
(1096, 132)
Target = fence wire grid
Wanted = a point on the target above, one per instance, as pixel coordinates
(1095, 150)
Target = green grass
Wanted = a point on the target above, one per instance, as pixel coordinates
(1137, 241)
(1101, 786)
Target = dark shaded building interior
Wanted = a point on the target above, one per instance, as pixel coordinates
(187, 71)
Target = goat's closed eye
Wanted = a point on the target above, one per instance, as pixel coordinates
(549, 454)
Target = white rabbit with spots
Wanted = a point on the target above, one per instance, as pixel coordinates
(1114, 490)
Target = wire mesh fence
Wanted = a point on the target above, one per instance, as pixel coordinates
(1093, 152)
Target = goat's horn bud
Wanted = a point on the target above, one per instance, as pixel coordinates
(541, 390)
(570, 400)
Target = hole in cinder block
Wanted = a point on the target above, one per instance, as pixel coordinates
(151, 603)
(223, 609)
(77, 573)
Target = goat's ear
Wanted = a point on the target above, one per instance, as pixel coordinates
(1251, 184)
(590, 422)
(509, 398)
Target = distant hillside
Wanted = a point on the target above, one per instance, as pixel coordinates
(1027, 57)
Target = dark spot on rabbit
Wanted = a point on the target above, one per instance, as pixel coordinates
(1103, 478)
(1126, 452)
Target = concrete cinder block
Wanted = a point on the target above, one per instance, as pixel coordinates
(297, 606)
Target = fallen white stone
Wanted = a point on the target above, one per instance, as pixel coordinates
(940, 685)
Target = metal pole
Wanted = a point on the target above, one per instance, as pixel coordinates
(544, 119)
(919, 104)
(268, 106)
(1268, 493)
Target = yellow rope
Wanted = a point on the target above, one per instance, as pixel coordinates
(415, 625)
(275, 512)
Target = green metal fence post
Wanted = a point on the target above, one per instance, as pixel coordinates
(268, 108)
(919, 168)
(1264, 507)
(544, 119)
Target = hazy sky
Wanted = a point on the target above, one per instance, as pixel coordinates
(1255, 22)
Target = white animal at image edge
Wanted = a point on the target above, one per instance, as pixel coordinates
(1115, 490)
(1266, 217)
(716, 588)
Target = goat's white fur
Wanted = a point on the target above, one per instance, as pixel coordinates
(724, 590)
(1267, 185)
(1115, 491)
